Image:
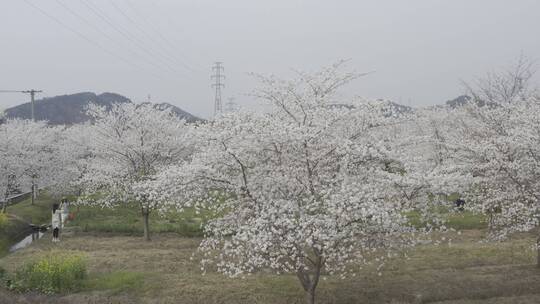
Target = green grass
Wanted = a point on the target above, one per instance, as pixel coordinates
(19, 215)
(39, 213)
(459, 220)
(124, 269)
(118, 281)
(467, 220)
(128, 220)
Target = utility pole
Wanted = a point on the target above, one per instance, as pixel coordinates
(32, 99)
(218, 69)
(32, 115)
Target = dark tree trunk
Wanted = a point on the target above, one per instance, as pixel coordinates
(33, 192)
(145, 214)
(538, 252)
(310, 280)
(310, 296)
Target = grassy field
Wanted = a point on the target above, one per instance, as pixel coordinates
(99, 220)
(125, 269)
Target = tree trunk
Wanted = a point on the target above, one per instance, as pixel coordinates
(4, 206)
(33, 192)
(310, 296)
(538, 252)
(145, 214)
(310, 281)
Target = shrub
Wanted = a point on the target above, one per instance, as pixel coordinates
(56, 272)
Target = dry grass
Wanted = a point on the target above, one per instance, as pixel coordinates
(123, 269)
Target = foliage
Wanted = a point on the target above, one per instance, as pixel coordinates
(29, 155)
(311, 182)
(496, 140)
(129, 144)
(55, 272)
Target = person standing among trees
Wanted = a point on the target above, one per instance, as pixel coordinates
(64, 210)
(56, 222)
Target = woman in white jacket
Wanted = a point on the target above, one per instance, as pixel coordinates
(56, 222)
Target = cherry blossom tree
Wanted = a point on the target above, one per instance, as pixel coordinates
(306, 188)
(10, 169)
(42, 160)
(504, 86)
(501, 148)
(429, 165)
(29, 155)
(73, 155)
(129, 144)
(497, 134)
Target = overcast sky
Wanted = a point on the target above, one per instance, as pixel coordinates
(420, 49)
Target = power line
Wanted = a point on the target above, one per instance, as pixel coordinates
(96, 11)
(149, 36)
(105, 34)
(217, 85)
(82, 36)
(167, 19)
(137, 42)
(158, 33)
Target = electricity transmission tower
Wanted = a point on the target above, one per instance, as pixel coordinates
(32, 99)
(218, 69)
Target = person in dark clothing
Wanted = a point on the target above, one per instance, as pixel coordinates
(460, 204)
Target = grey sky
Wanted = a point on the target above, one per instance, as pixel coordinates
(420, 49)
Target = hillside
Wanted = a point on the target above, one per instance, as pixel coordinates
(458, 101)
(69, 109)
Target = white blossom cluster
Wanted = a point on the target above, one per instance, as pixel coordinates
(128, 145)
(500, 145)
(30, 154)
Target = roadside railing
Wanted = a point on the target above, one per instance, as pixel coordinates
(12, 200)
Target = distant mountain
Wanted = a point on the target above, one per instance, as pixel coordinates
(398, 109)
(177, 111)
(70, 109)
(391, 108)
(459, 101)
